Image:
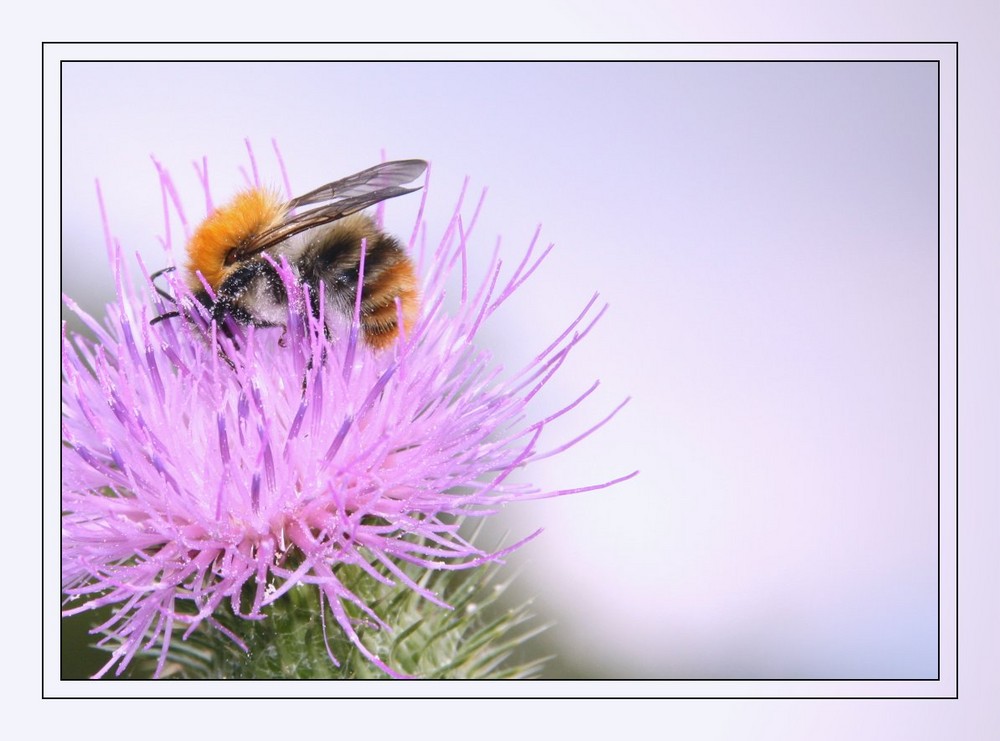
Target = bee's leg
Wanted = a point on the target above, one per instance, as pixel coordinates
(229, 361)
(229, 321)
(222, 350)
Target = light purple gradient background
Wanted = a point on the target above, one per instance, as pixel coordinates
(766, 237)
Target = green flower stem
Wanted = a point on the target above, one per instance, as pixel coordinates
(478, 638)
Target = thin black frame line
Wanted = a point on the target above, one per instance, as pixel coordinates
(957, 304)
(811, 679)
(497, 61)
(938, 370)
(476, 698)
(499, 43)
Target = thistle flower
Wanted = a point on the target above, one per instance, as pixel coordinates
(211, 474)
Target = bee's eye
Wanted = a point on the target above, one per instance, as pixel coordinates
(230, 257)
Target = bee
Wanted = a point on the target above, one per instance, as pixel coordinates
(228, 270)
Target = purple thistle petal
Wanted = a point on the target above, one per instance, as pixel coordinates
(284, 172)
(202, 172)
(253, 163)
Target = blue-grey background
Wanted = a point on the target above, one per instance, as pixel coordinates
(766, 236)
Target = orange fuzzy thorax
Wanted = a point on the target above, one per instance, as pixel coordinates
(249, 213)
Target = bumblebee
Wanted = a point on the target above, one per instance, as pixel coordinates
(228, 271)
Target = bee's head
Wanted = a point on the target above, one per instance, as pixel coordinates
(213, 249)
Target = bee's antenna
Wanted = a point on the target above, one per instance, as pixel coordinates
(164, 294)
(161, 317)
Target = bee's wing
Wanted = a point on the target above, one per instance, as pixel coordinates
(381, 178)
(317, 217)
